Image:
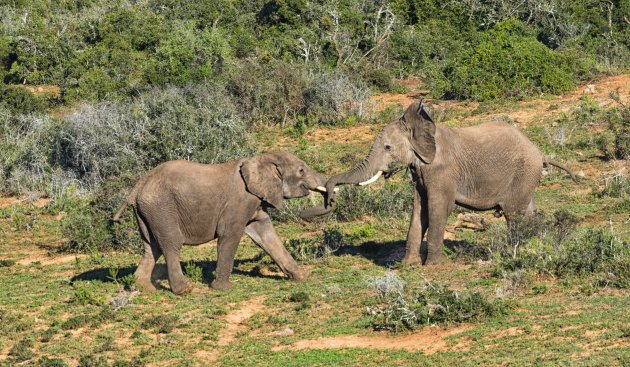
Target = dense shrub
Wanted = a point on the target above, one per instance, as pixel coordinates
(436, 303)
(196, 123)
(597, 254)
(615, 142)
(24, 156)
(291, 94)
(508, 62)
(554, 247)
(19, 101)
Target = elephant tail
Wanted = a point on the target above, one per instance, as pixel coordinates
(561, 166)
(129, 200)
(119, 212)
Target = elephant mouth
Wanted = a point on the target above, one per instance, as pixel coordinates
(392, 171)
(322, 189)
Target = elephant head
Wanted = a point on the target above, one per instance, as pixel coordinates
(403, 141)
(274, 177)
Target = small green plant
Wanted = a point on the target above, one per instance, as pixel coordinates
(48, 334)
(302, 299)
(85, 295)
(22, 350)
(316, 249)
(5, 263)
(52, 362)
(76, 322)
(90, 360)
(162, 324)
(193, 272)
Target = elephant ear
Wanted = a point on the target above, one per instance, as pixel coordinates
(263, 178)
(422, 133)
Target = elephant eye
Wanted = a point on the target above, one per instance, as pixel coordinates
(301, 170)
(388, 147)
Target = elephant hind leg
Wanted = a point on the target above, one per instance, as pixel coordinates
(170, 240)
(150, 256)
(145, 268)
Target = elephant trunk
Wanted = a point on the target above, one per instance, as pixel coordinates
(365, 173)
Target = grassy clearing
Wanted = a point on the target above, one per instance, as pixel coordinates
(82, 310)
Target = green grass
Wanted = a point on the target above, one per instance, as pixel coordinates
(60, 312)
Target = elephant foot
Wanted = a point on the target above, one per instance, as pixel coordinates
(300, 275)
(435, 259)
(411, 260)
(221, 284)
(183, 289)
(145, 286)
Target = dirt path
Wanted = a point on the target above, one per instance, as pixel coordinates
(428, 340)
(236, 319)
(235, 324)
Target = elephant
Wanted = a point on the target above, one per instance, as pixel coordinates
(489, 166)
(183, 202)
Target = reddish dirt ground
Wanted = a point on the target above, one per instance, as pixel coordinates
(428, 340)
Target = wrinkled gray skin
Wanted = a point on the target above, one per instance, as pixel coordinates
(181, 202)
(489, 166)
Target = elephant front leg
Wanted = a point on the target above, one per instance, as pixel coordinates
(264, 235)
(417, 229)
(438, 215)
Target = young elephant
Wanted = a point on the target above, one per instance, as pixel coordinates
(489, 166)
(181, 202)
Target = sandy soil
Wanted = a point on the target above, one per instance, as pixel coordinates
(428, 340)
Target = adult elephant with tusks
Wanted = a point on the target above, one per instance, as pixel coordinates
(182, 202)
(489, 166)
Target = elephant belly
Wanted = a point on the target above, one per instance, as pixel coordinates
(477, 203)
(199, 231)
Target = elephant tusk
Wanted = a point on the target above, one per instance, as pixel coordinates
(323, 189)
(371, 180)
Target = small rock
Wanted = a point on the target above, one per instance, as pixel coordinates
(285, 332)
(580, 174)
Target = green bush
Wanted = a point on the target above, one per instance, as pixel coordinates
(436, 303)
(507, 62)
(554, 247)
(599, 255)
(20, 101)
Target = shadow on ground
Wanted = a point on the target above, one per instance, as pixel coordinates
(389, 252)
(160, 273)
